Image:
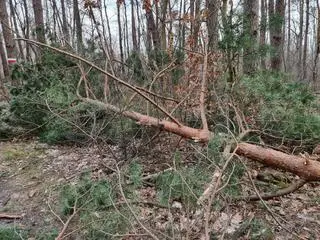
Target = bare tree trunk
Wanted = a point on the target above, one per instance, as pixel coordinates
(164, 7)
(289, 36)
(27, 29)
(316, 59)
(108, 27)
(139, 23)
(7, 31)
(120, 31)
(263, 30)
(181, 28)
(4, 61)
(78, 25)
(65, 30)
(14, 19)
(151, 28)
(300, 40)
(126, 31)
(276, 21)
(196, 27)
(251, 25)
(305, 46)
(38, 16)
(213, 24)
(134, 29)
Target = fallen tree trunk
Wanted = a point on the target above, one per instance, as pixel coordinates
(198, 135)
(303, 167)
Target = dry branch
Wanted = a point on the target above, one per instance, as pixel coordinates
(281, 192)
(9, 216)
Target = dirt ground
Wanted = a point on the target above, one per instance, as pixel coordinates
(31, 173)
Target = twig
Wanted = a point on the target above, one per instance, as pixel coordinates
(66, 224)
(157, 95)
(131, 210)
(281, 192)
(214, 189)
(152, 176)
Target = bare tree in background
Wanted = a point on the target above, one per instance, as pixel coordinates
(7, 31)
(263, 31)
(305, 44)
(64, 21)
(213, 23)
(76, 15)
(5, 67)
(251, 30)
(276, 21)
(134, 28)
(38, 16)
(300, 39)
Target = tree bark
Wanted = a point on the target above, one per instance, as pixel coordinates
(26, 30)
(276, 21)
(164, 7)
(14, 20)
(4, 61)
(305, 45)
(213, 7)
(198, 135)
(64, 22)
(38, 16)
(134, 29)
(300, 37)
(152, 30)
(77, 20)
(303, 167)
(7, 31)
(263, 30)
(316, 58)
(250, 25)
(288, 60)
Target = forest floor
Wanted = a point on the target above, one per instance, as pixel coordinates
(32, 173)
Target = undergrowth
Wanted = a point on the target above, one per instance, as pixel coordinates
(280, 107)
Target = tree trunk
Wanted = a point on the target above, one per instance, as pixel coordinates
(305, 45)
(27, 29)
(120, 31)
(303, 167)
(213, 7)
(276, 21)
(134, 29)
(196, 27)
(151, 28)
(316, 59)
(78, 25)
(300, 40)
(288, 60)
(38, 16)
(4, 61)
(250, 25)
(14, 19)
(7, 31)
(64, 22)
(263, 30)
(164, 7)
